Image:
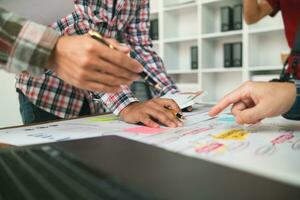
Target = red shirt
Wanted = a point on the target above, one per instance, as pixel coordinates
(291, 16)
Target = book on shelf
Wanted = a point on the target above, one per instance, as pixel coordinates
(154, 29)
(232, 18)
(170, 3)
(226, 18)
(237, 54)
(227, 55)
(194, 57)
(238, 17)
(233, 54)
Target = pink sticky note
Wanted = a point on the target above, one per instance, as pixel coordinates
(144, 130)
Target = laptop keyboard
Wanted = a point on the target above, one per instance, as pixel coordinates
(47, 173)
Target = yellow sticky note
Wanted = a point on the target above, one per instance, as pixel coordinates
(104, 119)
(234, 134)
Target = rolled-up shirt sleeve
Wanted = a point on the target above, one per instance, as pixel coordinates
(25, 46)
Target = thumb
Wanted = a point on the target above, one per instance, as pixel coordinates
(251, 115)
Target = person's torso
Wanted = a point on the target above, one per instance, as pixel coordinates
(52, 94)
(291, 15)
(101, 15)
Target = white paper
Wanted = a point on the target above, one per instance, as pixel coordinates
(270, 149)
(184, 100)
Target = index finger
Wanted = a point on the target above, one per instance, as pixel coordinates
(120, 59)
(229, 99)
(170, 103)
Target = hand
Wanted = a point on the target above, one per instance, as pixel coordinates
(254, 101)
(151, 111)
(87, 64)
(256, 10)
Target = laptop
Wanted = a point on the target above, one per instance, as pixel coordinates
(116, 168)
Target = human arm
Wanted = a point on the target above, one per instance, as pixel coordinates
(24, 45)
(255, 101)
(255, 10)
(125, 104)
(137, 35)
(28, 47)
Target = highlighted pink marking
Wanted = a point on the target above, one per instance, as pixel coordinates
(209, 148)
(145, 130)
(283, 138)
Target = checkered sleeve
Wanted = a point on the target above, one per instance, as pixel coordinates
(142, 50)
(137, 36)
(24, 45)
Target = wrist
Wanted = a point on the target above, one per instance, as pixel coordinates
(127, 109)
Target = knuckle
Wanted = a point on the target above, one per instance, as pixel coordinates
(163, 117)
(80, 75)
(89, 47)
(85, 61)
(119, 58)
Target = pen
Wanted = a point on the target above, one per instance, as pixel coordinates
(97, 36)
(176, 114)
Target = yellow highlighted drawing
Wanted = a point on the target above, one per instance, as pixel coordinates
(234, 134)
(104, 118)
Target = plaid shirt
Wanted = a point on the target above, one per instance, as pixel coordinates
(131, 21)
(24, 45)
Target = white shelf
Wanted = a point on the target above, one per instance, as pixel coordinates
(192, 71)
(181, 39)
(207, 2)
(185, 25)
(265, 48)
(222, 34)
(179, 7)
(222, 70)
(266, 30)
(265, 68)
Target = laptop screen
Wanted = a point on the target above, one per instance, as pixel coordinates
(42, 11)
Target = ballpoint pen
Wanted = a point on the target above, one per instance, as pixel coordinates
(176, 114)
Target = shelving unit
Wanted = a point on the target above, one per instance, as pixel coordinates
(187, 23)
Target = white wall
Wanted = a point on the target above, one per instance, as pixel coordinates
(41, 11)
(9, 104)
